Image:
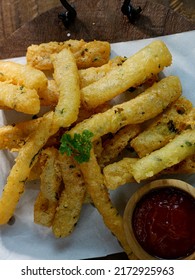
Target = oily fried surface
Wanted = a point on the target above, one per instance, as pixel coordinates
(98, 110)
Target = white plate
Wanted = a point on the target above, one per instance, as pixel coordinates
(25, 240)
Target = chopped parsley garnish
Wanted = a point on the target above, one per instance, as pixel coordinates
(189, 144)
(79, 146)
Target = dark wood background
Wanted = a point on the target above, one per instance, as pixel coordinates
(15, 13)
(100, 19)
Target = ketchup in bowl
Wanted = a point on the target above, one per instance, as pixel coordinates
(163, 222)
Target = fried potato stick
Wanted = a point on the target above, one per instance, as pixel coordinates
(114, 146)
(71, 199)
(164, 128)
(92, 54)
(87, 54)
(39, 56)
(85, 114)
(19, 98)
(98, 149)
(186, 166)
(118, 173)
(145, 106)
(23, 75)
(67, 80)
(50, 179)
(13, 137)
(111, 120)
(50, 95)
(44, 210)
(134, 71)
(181, 147)
(51, 175)
(93, 74)
(100, 196)
(36, 170)
(189, 120)
(19, 173)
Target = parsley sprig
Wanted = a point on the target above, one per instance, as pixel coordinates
(79, 146)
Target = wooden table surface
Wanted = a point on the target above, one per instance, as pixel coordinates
(26, 22)
(15, 13)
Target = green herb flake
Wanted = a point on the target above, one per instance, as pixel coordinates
(79, 146)
(62, 111)
(158, 159)
(189, 144)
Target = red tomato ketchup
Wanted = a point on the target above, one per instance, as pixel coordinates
(164, 223)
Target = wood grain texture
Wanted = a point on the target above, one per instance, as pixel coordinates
(104, 21)
(15, 13)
